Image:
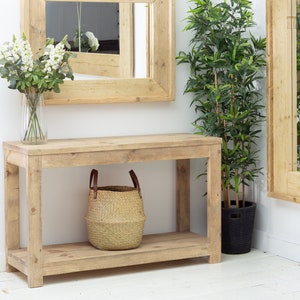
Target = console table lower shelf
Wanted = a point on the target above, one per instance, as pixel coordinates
(75, 257)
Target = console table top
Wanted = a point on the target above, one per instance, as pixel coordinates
(78, 145)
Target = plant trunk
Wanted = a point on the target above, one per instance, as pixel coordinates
(227, 197)
(237, 204)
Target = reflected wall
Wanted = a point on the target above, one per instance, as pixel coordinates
(102, 19)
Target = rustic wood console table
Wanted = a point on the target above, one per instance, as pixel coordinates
(37, 261)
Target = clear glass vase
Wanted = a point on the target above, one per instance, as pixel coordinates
(33, 127)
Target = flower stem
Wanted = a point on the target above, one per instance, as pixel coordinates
(34, 132)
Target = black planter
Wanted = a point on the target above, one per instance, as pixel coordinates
(237, 228)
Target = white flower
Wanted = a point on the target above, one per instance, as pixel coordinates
(18, 52)
(92, 40)
(25, 74)
(55, 57)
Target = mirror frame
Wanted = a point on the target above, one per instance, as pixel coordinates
(159, 85)
(283, 177)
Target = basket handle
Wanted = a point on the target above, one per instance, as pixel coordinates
(94, 178)
(135, 182)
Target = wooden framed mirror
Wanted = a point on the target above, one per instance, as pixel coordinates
(157, 85)
(283, 175)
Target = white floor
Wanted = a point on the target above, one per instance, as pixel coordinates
(254, 276)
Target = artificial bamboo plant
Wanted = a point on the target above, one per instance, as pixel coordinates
(226, 63)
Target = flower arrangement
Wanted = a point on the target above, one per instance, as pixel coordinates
(33, 75)
(45, 73)
(86, 41)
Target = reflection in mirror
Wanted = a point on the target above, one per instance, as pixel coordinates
(98, 25)
(298, 81)
(111, 24)
(70, 18)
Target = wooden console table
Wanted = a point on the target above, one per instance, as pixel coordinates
(37, 261)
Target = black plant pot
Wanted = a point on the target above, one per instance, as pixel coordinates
(237, 228)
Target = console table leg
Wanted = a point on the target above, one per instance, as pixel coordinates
(34, 247)
(214, 204)
(12, 210)
(183, 194)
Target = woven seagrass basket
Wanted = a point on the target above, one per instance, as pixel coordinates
(115, 217)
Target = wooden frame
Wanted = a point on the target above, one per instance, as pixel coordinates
(158, 86)
(283, 177)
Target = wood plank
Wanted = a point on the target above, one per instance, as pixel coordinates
(66, 258)
(214, 204)
(12, 208)
(162, 52)
(183, 195)
(16, 158)
(123, 156)
(112, 143)
(126, 40)
(107, 65)
(34, 211)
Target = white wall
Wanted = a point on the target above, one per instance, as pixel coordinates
(65, 190)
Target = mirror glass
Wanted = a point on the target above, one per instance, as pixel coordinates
(142, 70)
(98, 25)
(298, 79)
(100, 20)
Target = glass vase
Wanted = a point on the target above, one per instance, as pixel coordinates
(33, 127)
